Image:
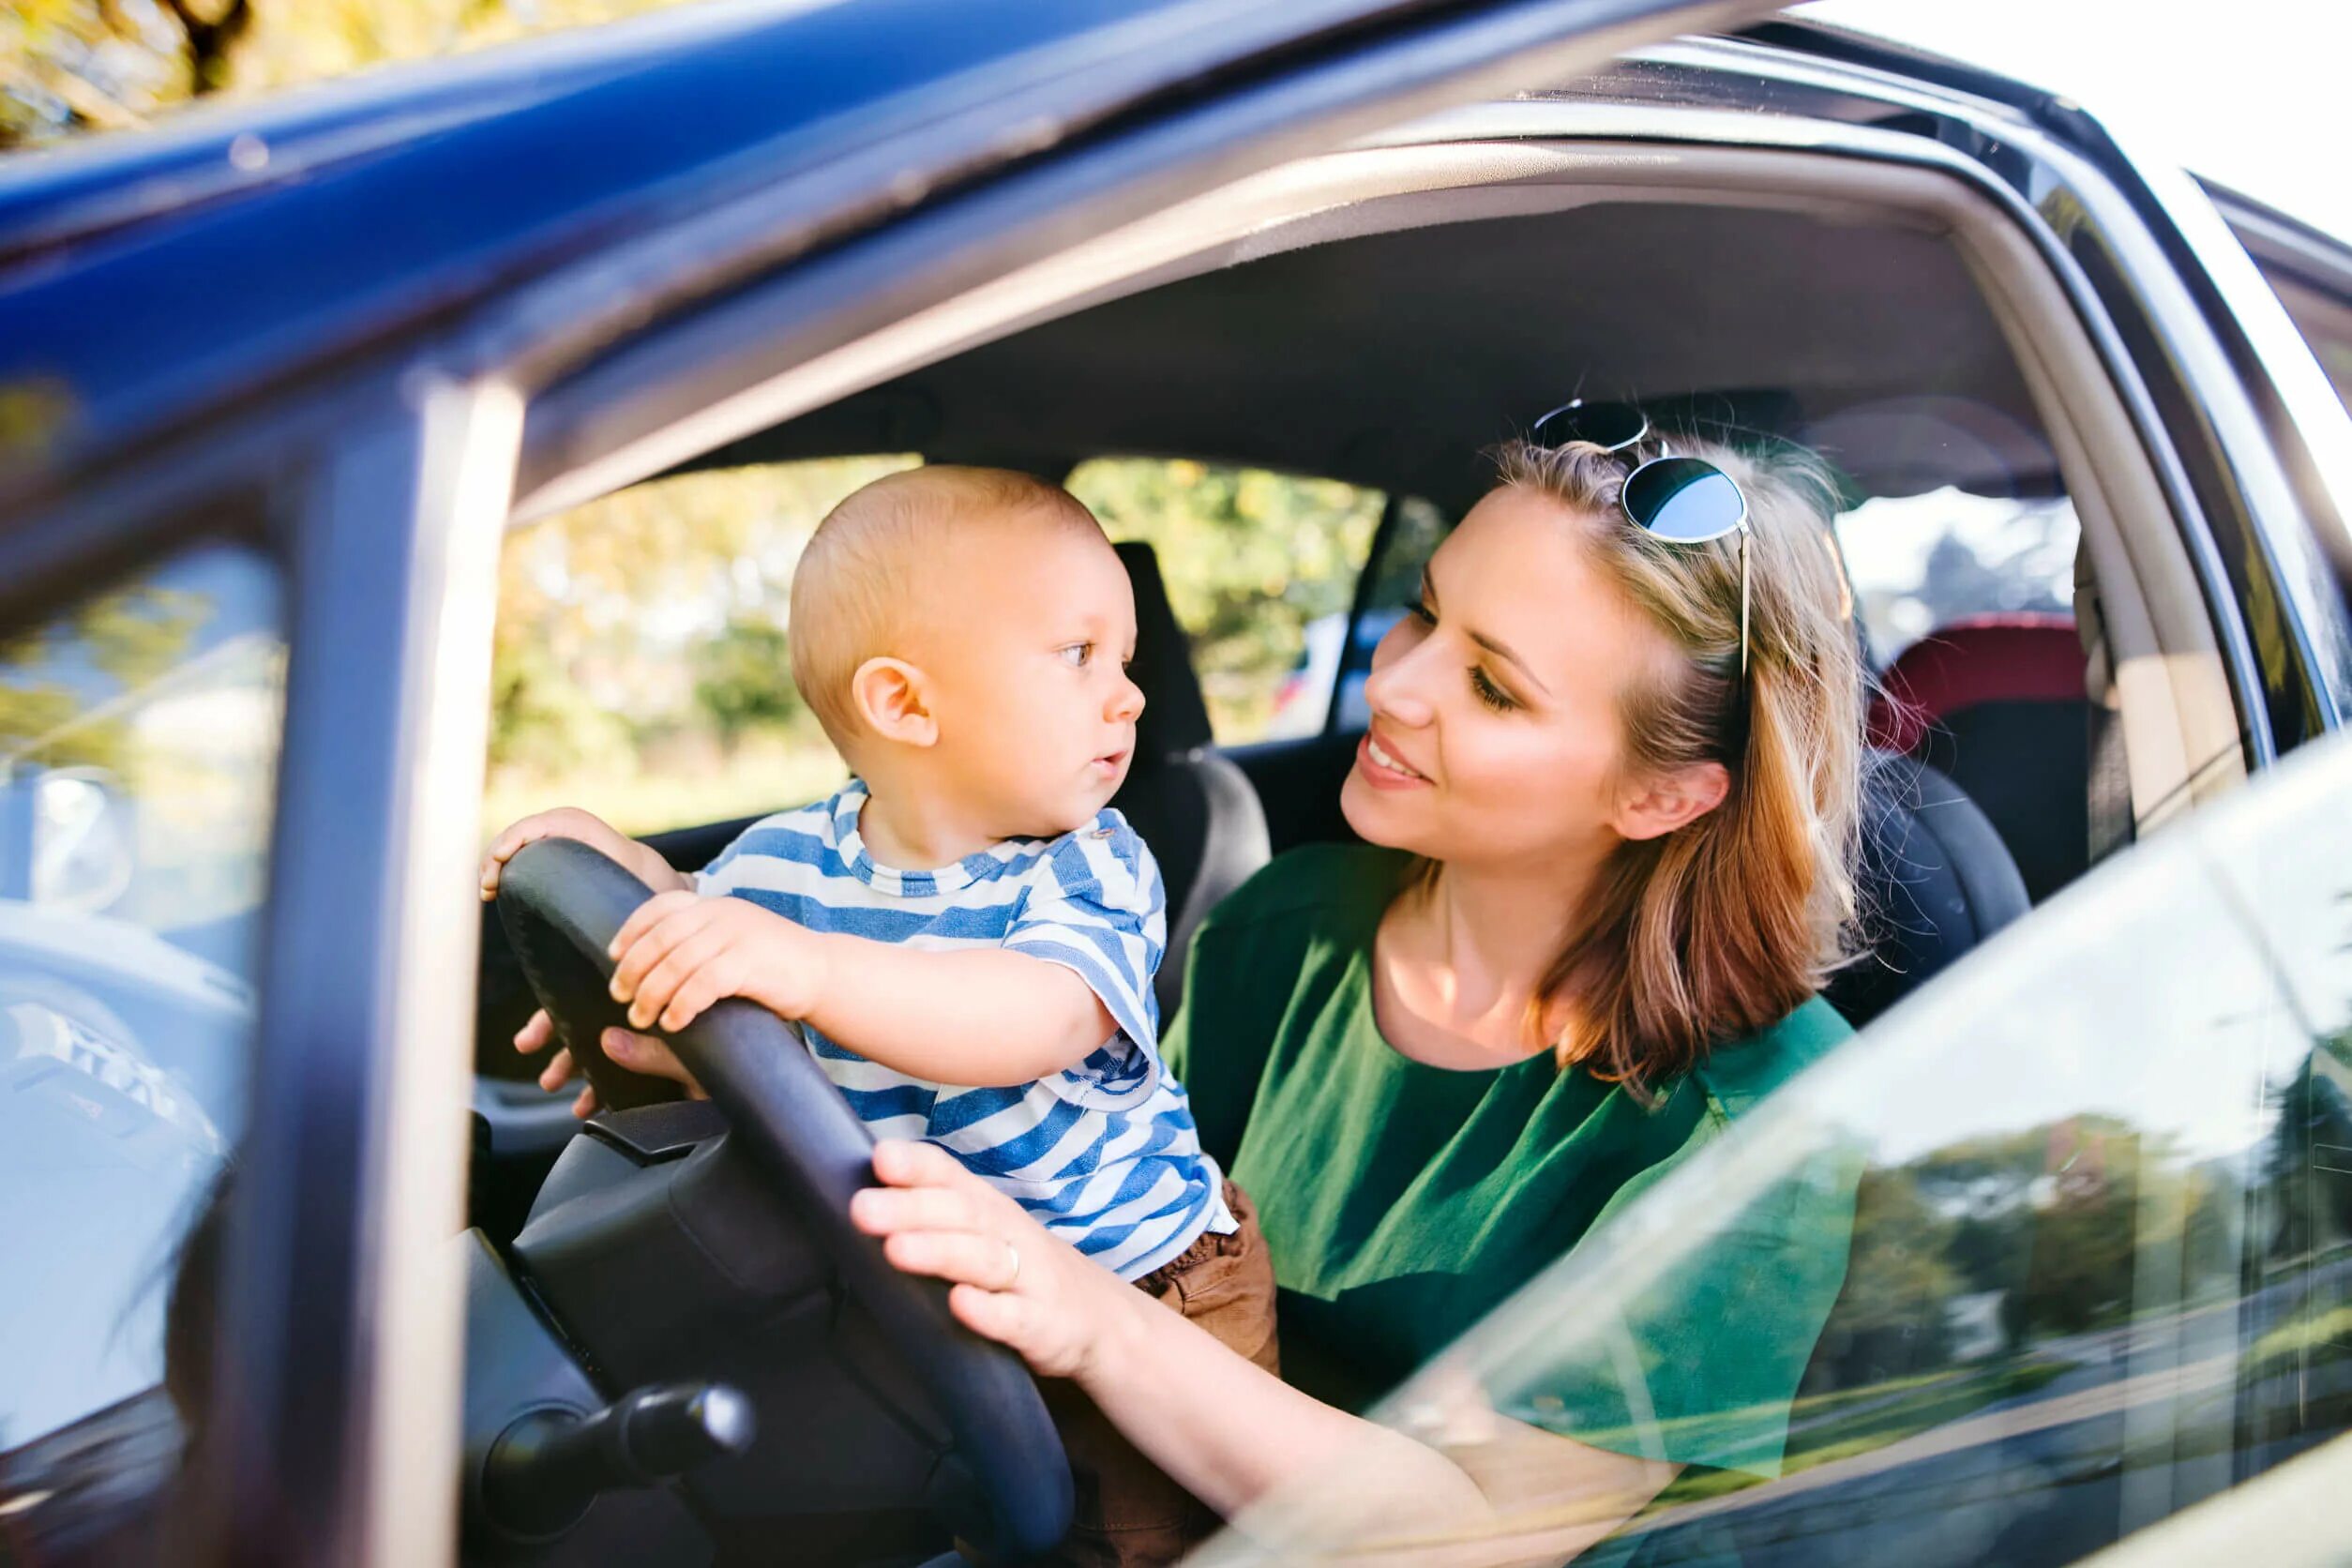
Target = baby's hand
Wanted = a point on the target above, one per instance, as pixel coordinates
(679, 953)
(565, 822)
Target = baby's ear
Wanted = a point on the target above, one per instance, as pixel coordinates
(892, 700)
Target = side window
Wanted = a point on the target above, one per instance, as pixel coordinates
(1921, 563)
(139, 745)
(1411, 534)
(2004, 1279)
(640, 668)
(1262, 568)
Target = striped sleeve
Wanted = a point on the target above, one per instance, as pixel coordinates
(1097, 908)
(790, 836)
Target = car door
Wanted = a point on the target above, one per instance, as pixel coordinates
(215, 671)
(376, 391)
(2096, 1271)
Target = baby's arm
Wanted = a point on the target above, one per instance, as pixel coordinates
(984, 1017)
(1075, 970)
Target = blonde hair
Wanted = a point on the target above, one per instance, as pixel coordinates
(1723, 927)
(876, 564)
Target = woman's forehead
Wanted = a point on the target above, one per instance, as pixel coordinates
(1521, 568)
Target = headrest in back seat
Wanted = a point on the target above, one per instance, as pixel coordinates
(2015, 657)
(1175, 719)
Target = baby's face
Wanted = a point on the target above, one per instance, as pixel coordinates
(1036, 715)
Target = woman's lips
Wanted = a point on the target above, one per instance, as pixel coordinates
(1382, 771)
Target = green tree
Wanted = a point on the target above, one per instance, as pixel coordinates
(69, 67)
(1892, 1317)
(744, 680)
(57, 717)
(1249, 556)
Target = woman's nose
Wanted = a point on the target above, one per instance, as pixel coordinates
(1397, 687)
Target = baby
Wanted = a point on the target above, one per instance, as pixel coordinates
(966, 933)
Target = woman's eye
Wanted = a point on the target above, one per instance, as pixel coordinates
(1489, 693)
(1077, 655)
(1426, 615)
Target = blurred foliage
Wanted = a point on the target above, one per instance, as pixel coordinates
(2051, 1221)
(642, 637)
(642, 664)
(177, 699)
(71, 67)
(128, 638)
(1251, 558)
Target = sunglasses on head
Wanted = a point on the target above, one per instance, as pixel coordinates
(1684, 501)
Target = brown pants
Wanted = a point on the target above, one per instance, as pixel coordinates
(1129, 1514)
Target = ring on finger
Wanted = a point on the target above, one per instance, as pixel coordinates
(1014, 1279)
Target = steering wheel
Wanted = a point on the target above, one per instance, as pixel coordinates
(560, 903)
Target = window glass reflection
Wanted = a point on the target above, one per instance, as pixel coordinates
(2098, 1255)
(139, 742)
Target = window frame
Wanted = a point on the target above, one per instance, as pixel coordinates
(377, 500)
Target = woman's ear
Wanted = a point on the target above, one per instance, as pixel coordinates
(892, 700)
(1653, 807)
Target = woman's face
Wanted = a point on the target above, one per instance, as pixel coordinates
(1495, 736)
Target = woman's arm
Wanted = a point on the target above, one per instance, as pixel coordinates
(1231, 1433)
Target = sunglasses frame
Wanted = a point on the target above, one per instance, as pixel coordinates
(1665, 454)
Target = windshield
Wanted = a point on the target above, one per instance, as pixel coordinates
(2099, 1260)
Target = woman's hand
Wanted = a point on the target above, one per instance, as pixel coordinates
(1013, 1282)
(639, 1053)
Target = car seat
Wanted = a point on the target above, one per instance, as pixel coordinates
(1199, 813)
(1997, 704)
(1935, 880)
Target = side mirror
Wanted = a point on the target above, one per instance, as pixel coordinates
(79, 851)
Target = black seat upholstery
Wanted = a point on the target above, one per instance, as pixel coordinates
(1200, 816)
(1996, 703)
(1936, 880)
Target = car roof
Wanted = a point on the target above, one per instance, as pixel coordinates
(144, 277)
(147, 280)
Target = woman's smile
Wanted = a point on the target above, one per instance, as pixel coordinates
(1383, 769)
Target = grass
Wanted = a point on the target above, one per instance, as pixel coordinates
(2284, 1345)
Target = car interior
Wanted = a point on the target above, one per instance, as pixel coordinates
(1378, 317)
(1385, 337)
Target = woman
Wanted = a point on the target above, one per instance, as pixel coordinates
(1606, 869)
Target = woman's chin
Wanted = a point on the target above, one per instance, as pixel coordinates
(1377, 819)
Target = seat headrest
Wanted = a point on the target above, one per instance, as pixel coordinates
(2019, 656)
(1175, 720)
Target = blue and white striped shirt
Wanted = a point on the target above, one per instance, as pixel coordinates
(1104, 1154)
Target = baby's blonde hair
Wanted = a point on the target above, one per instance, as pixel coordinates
(879, 560)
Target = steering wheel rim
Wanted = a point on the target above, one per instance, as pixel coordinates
(560, 903)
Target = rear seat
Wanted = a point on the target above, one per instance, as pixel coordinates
(1996, 703)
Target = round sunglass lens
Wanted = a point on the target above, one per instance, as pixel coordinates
(1684, 499)
(1608, 426)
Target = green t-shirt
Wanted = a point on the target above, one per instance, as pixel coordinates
(1403, 1202)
